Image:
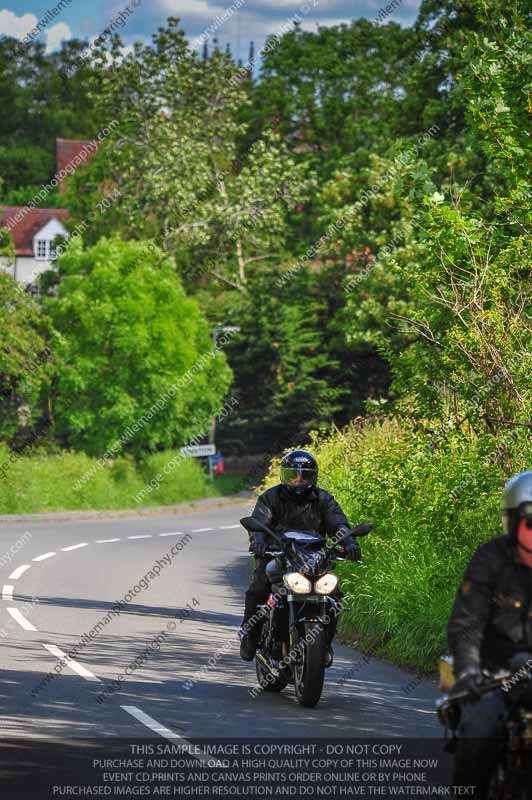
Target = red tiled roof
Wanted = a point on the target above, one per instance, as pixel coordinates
(30, 221)
(66, 151)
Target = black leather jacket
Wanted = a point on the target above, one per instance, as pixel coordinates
(316, 511)
(492, 615)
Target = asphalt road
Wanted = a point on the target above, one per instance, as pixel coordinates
(180, 625)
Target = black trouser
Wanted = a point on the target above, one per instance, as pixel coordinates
(259, 591)
(257, 594)
(481, 734)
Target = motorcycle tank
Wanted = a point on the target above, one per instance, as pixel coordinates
(274, 570)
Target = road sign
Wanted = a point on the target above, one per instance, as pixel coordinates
(199, 450)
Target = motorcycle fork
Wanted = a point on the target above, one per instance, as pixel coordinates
(308, 614)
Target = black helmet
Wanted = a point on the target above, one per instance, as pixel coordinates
(299, 471)
(517, 502)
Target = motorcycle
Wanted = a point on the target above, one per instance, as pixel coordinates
(299, 618)
(512, 773)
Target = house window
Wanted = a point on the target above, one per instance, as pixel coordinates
(42, 248)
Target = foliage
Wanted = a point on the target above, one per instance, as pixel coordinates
(293, 369)
(44, 98)
(30, 193)
(129, 335)
(25, 337)
(337, 91)
(7, 249)
(172, 169)
(40, 482)
(472, 315)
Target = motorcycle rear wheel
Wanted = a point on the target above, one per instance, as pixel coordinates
(309, 670)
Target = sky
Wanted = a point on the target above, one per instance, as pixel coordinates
(234, 22)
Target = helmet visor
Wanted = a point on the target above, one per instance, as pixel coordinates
(299, 478)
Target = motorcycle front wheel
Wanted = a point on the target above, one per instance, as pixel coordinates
(309, 669)
(267, 680)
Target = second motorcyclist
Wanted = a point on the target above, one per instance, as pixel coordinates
(491, 625)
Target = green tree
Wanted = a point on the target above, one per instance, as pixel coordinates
(294, 372)
(24, 356)
(335, 91)
(134, 351)
(46, 99)
(172, 170)
(470, 326)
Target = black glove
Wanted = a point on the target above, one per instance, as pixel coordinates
(352, 550)
(470, 680)
(257, 544)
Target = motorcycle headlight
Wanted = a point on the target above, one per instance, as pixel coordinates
(297, 583)
(326, 584)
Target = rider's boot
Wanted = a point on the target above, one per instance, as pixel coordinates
(248, 644)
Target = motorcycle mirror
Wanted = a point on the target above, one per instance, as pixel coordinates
(362, 530)
(254, 524)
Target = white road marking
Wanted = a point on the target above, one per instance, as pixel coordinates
(45, 555)
(7, 592)
(175, 533)
(21, 619)
(74, 547)
(15, 575)
(166, 733)
(228, 527)
(152, 724)
(201, 530)
(104, 541)
(73, 665)
(143, 536)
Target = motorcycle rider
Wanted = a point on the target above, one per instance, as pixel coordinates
(296, 503)
(491, 623)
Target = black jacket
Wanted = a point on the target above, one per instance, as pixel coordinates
(492, 615)
(316, 511)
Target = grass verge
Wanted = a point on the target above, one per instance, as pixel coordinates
(41, 482)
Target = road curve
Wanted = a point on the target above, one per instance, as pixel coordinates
(149, 609)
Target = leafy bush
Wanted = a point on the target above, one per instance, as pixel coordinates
(136, 368)
(68, 481)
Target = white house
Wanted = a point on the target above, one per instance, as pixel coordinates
(34, 232)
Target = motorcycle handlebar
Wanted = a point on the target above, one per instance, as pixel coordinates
(253, 524)
(484, 688)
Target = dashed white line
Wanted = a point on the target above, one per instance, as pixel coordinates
(21, 619)
(201, 530)
(15, 575)
(71, 664)
(44, 555)
(7, 592)
(228, 527)
(175, 533)
(143, 536)
(74, 547)
(152, 724)
(166, 733)
(104, 541)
